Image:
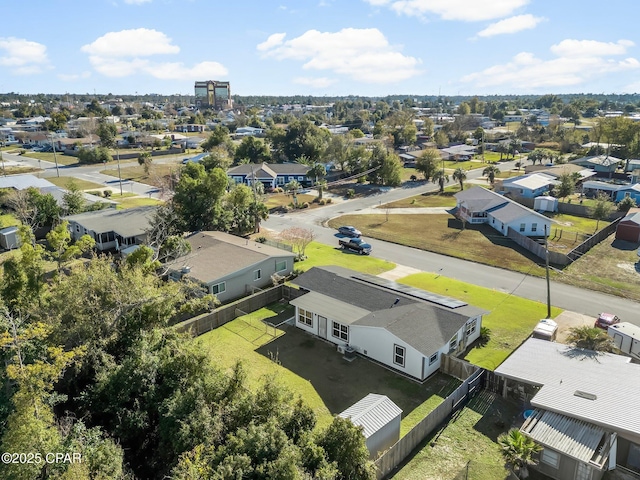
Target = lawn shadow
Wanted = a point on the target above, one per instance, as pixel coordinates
(340, 383)
(624, 245)
(498, 414)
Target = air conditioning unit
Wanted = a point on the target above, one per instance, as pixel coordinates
(342, 349)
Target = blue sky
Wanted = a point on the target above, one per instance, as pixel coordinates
(322, 47)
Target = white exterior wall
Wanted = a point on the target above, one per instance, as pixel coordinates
(528, 220)
(384, 438)
(315, 330)
(304, 326)
(379, 345)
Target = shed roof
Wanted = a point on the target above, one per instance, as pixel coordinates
(575, 438)
(372, 413)
(532, 181)
(632, 217)
(22, 182)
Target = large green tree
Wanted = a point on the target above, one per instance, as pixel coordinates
(254, 150)
(388, 167)
(428, 163)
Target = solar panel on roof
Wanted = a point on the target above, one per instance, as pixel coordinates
(413, 292)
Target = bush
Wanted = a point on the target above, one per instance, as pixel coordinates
(327, 200)
(305, 205)
(107, 193)
(351, 193)
(626, 204)
(321, 202)
(261, 239)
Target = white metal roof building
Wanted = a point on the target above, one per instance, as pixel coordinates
(380, 419)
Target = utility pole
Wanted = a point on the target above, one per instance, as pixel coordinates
(55, 156)
(119, 174)
(546, 264)
(4, 171)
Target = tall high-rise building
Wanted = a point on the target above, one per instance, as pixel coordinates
(213, 94)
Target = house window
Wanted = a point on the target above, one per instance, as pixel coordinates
(219, 288)
(280, 266)
(257, 275)
(77, 228)
(471, 327)
(398, 355)
(280, 180)
(453, 343)
(534, 227)
(341, 331)
(550, 457)
(433, 358)
(305, 317)
(522, 227)
(493, 220)
(301, 179)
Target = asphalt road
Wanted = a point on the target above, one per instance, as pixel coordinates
(564, 296)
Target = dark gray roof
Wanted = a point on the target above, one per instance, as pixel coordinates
(510, 212)
(480, 199)
(337, 283)
(411, 322)
(131, 222)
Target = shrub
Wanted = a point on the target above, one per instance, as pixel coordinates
(305, 205)
(413, 178)
(626, 204)
(351, 193)
(327, 200)
(261, 239)
(316, 200)
(321, 202)
(107, 193)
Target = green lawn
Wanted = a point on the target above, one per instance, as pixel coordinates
(50, 157)
(467, 445)
(314, 370)
(319, 254)
(442, 234)
(81, 184)
(465, 165)
(430, 199)
(157, 173)
(13, 170)
(275, 200)
(511, 319)
(133, 202)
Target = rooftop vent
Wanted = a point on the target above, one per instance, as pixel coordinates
(585, 395)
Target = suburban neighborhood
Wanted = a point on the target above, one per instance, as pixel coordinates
(288, 270)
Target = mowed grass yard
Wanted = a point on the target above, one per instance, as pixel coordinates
(430, 199)
(569, 231)
(314, 370)
(157, 173)
(470, 437)
(611, 267)
(511, 319)
(275, 200)
(79, 183)
(442, 234)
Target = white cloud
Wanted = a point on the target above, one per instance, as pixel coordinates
(573, 66)
(466, 10)
(139, 42)
(136, 2)
(588, 48)
(70, 77)
(273, 41)
(321, 82)
(364, 55)
(124, 53)
(22, 56)
(511, 25)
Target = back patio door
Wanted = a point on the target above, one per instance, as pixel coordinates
(322, 327)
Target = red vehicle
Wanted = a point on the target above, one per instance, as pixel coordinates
(605, 320)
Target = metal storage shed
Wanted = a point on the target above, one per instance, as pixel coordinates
(380, 419)
(628, 228)
(9, 238)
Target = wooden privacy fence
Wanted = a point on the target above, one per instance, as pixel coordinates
(218, 317)
(593, 240)
(538, 250)
(403, 447)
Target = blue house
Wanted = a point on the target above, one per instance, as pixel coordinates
(530, 185)
(271, 175)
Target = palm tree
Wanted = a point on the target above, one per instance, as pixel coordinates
(590, 338)
(518, 450)
(292, 187)
(460, 176)
(321, 185)
(441, 178)
(490, 172)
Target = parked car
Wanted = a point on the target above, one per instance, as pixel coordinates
(349, 231)
(355, 244)
(605, 320)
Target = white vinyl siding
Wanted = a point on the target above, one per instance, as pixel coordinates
(219, 288)
(399, 354)
(305, 317)
(340, 331)
(280, 266)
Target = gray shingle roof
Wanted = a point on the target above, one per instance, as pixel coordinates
(480, 199)
(270, 170)
(131, 222)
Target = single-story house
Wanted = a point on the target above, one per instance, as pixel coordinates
(585, 407)
(480, 205)
(530, 185)
(615, 191)
(249, 132)
(628, 229)
(231, 267)
(111, 228)
(599, 163)
(270, 174)
(190, 127)
(404, 328)
(458, 152)
(380, 420)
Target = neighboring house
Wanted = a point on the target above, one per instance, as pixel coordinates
(111, 228)
(556, 171)
(229, 266)
(599, 163)
(270, 174)
(458, 152)
(614, 191)
(190, 127)
(628, 229)
(380, 420)
(479, 205)
(404, 328)
(529, 186)
(585, 407)
(249, 132)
